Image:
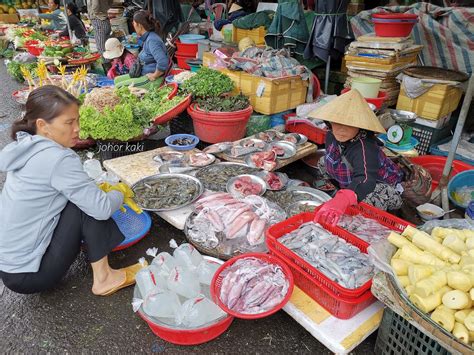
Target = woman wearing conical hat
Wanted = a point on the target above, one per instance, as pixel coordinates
(354, 158)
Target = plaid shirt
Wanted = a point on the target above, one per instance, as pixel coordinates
(340, 168)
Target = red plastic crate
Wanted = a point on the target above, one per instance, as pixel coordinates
(280, 229)
(339, 307)
(314, 134)
(384, 218)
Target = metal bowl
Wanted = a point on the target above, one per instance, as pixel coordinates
(282, 176)
(246, 142)
(401, 116)
(153, 178)
(298, 207)
(255, 179)
(288, 147)
(317, 194)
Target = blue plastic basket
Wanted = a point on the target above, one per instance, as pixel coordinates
(466, 178)
(133, 226)
(434, 149)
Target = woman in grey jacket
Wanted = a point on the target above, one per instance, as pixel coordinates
(49, 206)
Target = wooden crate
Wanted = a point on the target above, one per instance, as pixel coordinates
(439, 101)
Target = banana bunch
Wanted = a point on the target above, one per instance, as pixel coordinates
(437, 272)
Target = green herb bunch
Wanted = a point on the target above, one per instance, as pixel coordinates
(208, 83)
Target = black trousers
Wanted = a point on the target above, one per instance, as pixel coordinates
(74, 227)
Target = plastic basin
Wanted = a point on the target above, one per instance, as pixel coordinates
(466, 178)
(186, 49)
(394, 16)
(394, 25)
(368, 87)
(435, 165)
(191, 39)
(378, 101)
(218, 127)
(170, 139)
(182, 61)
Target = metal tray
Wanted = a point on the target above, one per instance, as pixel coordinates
(251, 164)
(283, 178)
(319, 195)
(217, 186)
(198, 183)
(211, 160)
(176, 157)
(288, 147)
(293, 209)
(255, 179)
(300, 138)
(224, 146)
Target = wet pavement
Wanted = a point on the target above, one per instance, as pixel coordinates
(71, 319)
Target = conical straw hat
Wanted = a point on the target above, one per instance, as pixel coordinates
(349, 109)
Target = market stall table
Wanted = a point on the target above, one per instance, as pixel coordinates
(339, 336)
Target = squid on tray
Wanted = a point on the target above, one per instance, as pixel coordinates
(222, 213)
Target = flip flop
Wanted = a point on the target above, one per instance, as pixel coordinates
(130, 272)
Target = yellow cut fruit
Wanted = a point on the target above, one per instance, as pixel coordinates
(409, 232)
(461, 332)
(470, 243)
(400, 266)
(455, 243)
(397, 240)
(404, 280)
(409, 289)
(459, 280)
(471, 293)
(427, 304)
(425, 242)
(461, 315)
(444, 318)
(456, 300)
(469, 321)
(467, 260)
(419, 272)
(431, 284)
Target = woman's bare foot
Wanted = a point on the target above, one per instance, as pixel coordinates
(108, 281)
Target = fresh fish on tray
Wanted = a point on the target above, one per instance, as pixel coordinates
(252, 286)
(275, 181)
(166, 191)
(238, 151)
(365, 228)
(201, 159)
(244, 185)
(283, 149)
(269, 136)
(262, 160)
(169, 157)
(252, 142)
(338, 260)
(214, 177)
(218, 147)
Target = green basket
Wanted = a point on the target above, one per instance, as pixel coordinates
(398, 336)
(257, 123)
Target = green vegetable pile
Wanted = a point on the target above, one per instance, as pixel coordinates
(129, 118)
(227, 104)
(208, 83)
(14, 69)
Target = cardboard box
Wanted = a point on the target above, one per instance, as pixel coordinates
(9, 18)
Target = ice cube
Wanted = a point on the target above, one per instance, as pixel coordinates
(206, 270)
(161, 303)
(183, 282)
(198, 311)
(187, 255)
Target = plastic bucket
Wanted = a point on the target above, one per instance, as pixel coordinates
(368, 87)
(203, 46)
(214, 129)
(182, 61)
(466, 178)
(187, 49)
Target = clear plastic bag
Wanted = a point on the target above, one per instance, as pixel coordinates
(447, 223)
(198, 311)
(206, 270)
(186, 255)
(184, 282)
(145, 281)
(165, 263)
(161, 303)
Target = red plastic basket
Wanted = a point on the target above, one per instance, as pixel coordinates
(384, 218)
(175, 111)
(339, 307)
(35, 50)
(217, 282)
(189, 336)
(314, 134)
(280, 229)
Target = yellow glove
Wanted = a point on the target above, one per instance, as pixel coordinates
(127, 197)
(105, 186)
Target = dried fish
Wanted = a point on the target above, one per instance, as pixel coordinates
(166, 192)
(340, 261)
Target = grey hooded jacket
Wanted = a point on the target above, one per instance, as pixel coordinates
(42, 176)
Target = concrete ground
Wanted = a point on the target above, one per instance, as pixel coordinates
(71, 319)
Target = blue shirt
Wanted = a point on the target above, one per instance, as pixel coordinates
(153, 54)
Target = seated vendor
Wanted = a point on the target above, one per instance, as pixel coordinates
(354, 157)
(78, 29)
(153, 55)
(50, 208)
(122, 60)
(56, 16)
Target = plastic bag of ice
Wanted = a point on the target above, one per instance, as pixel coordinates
(165, 263)
(206, 270)
(159, 279)
(161, 303)
(145, 281)
(184, 282)
(187, 255)
(198, 311)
